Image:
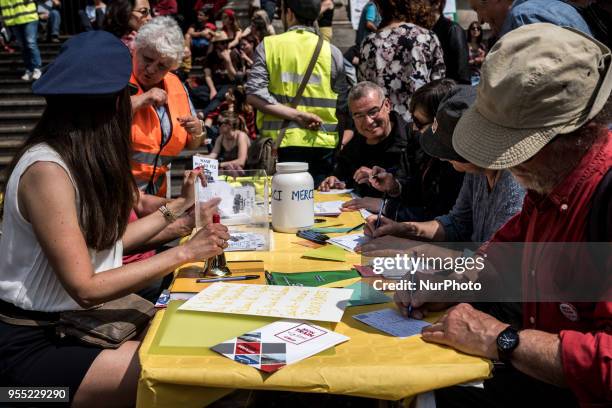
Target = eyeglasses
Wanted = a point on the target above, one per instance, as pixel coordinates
(372, 113)
(475, 29)
(144, 12)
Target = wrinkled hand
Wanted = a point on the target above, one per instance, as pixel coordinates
(209, 241)
(308, 120)
(387, 246)
(420, 308)
(191, 124)
(362, 175)
(383, 181)
(156, 97)
(389, 227)
(369, 203)
(466, 329)
(331, 182)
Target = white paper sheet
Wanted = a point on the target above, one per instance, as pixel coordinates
(349, 242)
(391, 322)
(329, 208)
(245, 241)
(289, 302)
(336, 191)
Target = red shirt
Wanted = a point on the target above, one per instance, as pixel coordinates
(586, 331)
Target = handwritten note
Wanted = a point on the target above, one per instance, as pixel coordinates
(391, 322)
(290, 302)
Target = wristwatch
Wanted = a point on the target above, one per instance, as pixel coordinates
(168, 214)
(507, 341)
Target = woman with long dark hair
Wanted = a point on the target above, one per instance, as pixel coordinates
(125, 17)
(477, 50)
(67, 201)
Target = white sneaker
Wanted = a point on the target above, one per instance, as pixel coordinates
(36, 74)
(27, 76)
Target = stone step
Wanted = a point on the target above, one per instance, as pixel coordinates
(15, 130)
(18, 61)
(17, 54)
(23, 106)
(20, 117)
(14, 90)
(11, 143)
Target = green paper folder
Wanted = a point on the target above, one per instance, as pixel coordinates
(311, 278)
(193, 333)
(365, 294)
(327, 253)
(183, 332)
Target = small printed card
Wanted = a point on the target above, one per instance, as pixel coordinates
(349, 242)
(210, 167)
(391, 322)
(328, 208)
(272, 347)
(245, 241)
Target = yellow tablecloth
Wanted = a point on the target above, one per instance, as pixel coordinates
(371, 364)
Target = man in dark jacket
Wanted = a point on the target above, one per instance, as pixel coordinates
(380, 140)
(454, 45)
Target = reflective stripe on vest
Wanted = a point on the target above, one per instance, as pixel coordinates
(16, 12)
(147, 136)
(287, 57)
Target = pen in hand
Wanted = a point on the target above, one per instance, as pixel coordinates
(380, 210)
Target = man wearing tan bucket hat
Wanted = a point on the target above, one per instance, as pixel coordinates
(541, 113)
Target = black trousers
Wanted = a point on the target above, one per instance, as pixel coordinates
(509, 388)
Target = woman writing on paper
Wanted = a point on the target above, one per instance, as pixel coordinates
(66, 207)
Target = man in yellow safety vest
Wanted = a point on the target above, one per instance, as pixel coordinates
(21, 18)
(279, 65)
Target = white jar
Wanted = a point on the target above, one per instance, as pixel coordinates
(292, 197)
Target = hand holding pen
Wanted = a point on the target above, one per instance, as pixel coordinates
(384, 180)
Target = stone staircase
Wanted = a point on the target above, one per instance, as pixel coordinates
(19, 109)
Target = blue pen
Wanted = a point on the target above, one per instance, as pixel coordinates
(414, 254)
(380, 210)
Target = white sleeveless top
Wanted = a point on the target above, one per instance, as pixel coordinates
(26, 278)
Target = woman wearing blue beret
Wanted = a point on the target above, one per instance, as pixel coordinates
(65, 227)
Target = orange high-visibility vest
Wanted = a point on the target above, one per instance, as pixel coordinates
(147, 137)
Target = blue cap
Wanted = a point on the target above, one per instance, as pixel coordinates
(93, 63)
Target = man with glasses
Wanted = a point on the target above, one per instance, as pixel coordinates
(380, 140)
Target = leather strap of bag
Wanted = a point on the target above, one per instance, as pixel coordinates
(298, 96)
